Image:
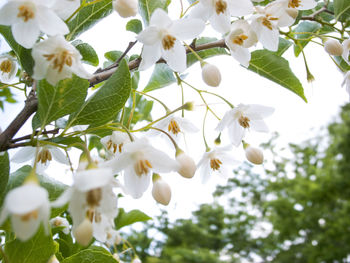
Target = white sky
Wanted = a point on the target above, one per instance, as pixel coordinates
(293, 119)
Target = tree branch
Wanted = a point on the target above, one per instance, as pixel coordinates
(31, 104)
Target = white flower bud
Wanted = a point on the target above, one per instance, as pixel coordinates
(125, 8)
(333, 47)
(254, 155)
(83, 233)
(136, 260)
(187, 165)
(161, 191)
(292, 12)
(211, 75)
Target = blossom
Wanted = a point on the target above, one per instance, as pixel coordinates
(219, 12)
(138, 160)
(333, 47)
(161, 190)
(8, 69)
(28, 17)
(346, 50)
(60, 222)
(243, 117)
(211, 75)
(346, 82)
(114, 143)
(299, 4)
(125, 8)
(187, 167)
(91, 197)
(65, 8)
(56, 59)
(254, 155)
(239, 39)
(162, 39)
(216, 161)
(28, 206)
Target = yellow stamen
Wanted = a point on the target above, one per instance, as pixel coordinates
(294, 3)
(267, 21)
(142, 167)
(239, 40)
(6, 66)
(168, 42)
(174, 127)
(93, 197)
(44, 155)
(244, 121)
(25, 12)
(60, 59)
(220, 6)
(31, 215)
(215, 164)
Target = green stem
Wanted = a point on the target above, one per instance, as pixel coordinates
(159, 101)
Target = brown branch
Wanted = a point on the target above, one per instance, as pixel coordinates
(29, 136)
(31, 104)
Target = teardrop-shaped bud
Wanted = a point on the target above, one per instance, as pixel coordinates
(187, 166)
(211, 75)
(83, 233)
(125, 8)
(333, 47)
(161, 191)
(254, 155)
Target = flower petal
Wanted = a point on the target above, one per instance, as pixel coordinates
(221, 22)
(259, 125)
(26, 33)
(50, 23)
(8, 13)
(93, 178)
(24, 230)
(134, 184)
(240, 7)
(24, 154)
(236, 133)
(160, 18)
(176, 57)
(187, 28)
(149, 36)
(150, 55)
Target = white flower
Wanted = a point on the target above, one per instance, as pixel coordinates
(92, 197)
(299, 4)
(113, 238)
(28, 206)
(187, 167)
(243, 117)
(114, 143)
(346, 82)
(211, 75)
(333, 47)
(254, 155)
(65, 8)
(60, 222)
(217, 161)
(240, 38)
(346, 50)
(161, 191)
(28, 17)
(138, 160)
(56, 59)
(219, 12)
(8, 69)
(125, 8)
(163, 39)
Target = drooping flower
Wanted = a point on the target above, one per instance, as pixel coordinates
(8, 69)
(299, 4)
(138, 160)
(65, 8)
(28, 17)
(217, 161)
(60, 222)
(219, 12)
(125, 8)
(211, 75)
(240, 38)
(28, 206)
(346, 82)
(56, 59)
(91, 198)
(163, 39)
(114, 143)
(244, 117)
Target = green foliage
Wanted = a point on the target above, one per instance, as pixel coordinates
(147, 7)
(275, 68)
(162, 76)
(134, 25)
(342, 10)
(4, 173)
(38, 249)
(104, 105)
(88, 17)
(57, 101)
(128, 218)
(24, 55)
(95, 255)
(87, 52)
(305, 30)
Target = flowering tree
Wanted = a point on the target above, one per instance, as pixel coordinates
(46, 62)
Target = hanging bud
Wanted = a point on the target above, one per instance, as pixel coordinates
(254, 155)
(187, 166)
(292, 12)
(189, 106)
(83, 233)
(125, 8)
(161, 190)
(333, 47)
(211, 75)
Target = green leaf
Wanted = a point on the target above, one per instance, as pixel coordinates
(54, 188)
(24, 55)
(87, 17)
(38, 249)
(87, 52)
(283, 46)
(275, 68)
(4, 174)
(162, 76)
(104, 105)
(113, 55)
(57, 101)
(91, 255)
(305, 29)
(341, 10)
(147, 7)
(125, 219)
(134, 25)
(204, 54)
